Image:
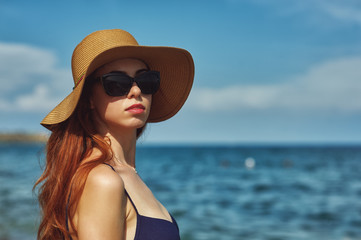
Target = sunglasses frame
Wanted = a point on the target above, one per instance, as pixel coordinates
(131, 82)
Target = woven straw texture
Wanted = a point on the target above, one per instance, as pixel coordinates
(174, 64)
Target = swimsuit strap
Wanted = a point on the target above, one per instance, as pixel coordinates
(136, 210)
(110, 166)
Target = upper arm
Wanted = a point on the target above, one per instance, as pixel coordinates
(101, 209)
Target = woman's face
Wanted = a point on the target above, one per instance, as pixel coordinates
(123, 113)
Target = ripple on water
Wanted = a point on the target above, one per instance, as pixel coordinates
(224, 203)
(359, 192)
(323, 216)
(356, 223)
(262, 187)
(212, 195)
(305, 188)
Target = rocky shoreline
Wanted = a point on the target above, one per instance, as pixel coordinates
(23, 137)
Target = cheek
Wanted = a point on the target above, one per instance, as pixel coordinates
(100, 108)
(149, 99)
(148, 102)
(106, 112)
(99, 101)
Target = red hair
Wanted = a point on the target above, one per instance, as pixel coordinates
(65, 173)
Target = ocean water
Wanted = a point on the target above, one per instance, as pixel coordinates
(219, 192)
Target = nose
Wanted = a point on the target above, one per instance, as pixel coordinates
(134, 91)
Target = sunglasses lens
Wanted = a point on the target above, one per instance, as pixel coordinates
(116, 85)
(119, 84)
(148, 82)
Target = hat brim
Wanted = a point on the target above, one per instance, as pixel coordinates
(176, 68)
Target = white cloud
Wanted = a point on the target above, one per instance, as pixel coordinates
(349, 10)
(331, 86)
(37, 100)
(19, 62)
(30, 79)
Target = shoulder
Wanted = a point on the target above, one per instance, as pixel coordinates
(103, 188)
(101, 209)
(103, 177)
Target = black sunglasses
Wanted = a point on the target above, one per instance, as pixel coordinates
(119, 83)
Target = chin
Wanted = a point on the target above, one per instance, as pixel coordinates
(138, 123)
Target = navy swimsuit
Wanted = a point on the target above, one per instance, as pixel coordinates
(149, 228)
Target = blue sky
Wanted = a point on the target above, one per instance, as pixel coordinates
(266, 71)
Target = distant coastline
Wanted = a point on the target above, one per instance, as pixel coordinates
(19, 137)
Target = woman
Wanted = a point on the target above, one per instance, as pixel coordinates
(90, 188)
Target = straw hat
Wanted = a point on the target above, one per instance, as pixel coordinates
(175, 65)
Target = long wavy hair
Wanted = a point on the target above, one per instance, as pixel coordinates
(63, 180)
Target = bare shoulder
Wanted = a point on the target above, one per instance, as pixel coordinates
(103, 185)
(104, 177)
(101, 209)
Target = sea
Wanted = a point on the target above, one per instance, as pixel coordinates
(219, 192)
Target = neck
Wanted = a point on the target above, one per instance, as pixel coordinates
(122, 142)
(123, 147)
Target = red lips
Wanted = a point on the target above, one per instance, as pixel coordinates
(136, 106)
